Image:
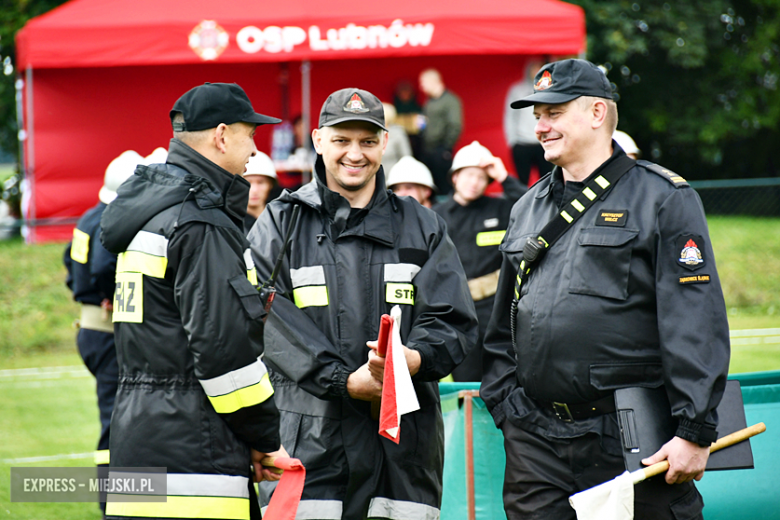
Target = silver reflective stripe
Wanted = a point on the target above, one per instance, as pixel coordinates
(400, 272)
(235, 380)
(250, 264)
(316, 510)
(149, 243)
(313, 275)
(180, 484)
(380, 507)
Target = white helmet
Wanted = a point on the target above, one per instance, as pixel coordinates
(473, 154)
(260, 164)
(118, 171)
(159, 155)
(408, 169)
(626, 143)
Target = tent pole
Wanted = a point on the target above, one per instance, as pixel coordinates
(306, 107)
(28, 209)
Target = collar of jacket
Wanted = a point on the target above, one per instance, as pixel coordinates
(556, 176)
(222, 188)
(373, 222)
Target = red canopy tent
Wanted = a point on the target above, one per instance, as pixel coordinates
(100, 77)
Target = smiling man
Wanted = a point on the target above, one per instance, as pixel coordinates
(608, 281)
(357, 251)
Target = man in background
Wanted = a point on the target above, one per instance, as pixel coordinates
(444, 122)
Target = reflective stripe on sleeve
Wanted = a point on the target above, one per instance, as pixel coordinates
(311, 275)
(490, 238)
(102, 457)
(181, 507)
(238, 389)
(381, 507)
(313, 296)
(401, 272)
(317, 510)
(79, 247)
(146, 254)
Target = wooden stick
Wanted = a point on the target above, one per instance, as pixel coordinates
(723, 442)
(270, 462)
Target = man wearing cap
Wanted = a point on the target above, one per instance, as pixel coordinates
(411, 178)
(476, 224)
(193, 396)
(357, 251)
(608, 281)
(261, 175)
(91, 279)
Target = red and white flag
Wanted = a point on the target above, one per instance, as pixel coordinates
(398, 394)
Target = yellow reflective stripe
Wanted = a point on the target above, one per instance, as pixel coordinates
(243, 397)
(129, 298)
(589, 193)
(251, 275)
(312, 296)
(677, 179)
(138, 262)
(400, 293)
(101, 457)
(181, 507)
(79, 248)
(601, 181)
(490, 238)
(578, 205)
(566, 216)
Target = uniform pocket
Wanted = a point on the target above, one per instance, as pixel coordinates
(610, 376)
(249, 297)
(602, 261)
(689, 506)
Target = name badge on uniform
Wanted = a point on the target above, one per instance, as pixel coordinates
(491, 222)
(612, 217)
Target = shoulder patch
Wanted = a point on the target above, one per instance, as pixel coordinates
(669, 175)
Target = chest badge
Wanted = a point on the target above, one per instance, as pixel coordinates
(612, 217)
(691, 256)
(491, 222)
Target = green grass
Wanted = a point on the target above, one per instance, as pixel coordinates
(41, 416)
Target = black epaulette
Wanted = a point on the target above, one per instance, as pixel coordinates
(669, 175)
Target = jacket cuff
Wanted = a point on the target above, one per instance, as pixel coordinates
(499, 414)
(701, 434)
(339, 386)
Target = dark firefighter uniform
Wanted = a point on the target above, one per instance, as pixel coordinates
(91, 278)
(345, 268)
(477, 230)
(628, 296)
(193, 396)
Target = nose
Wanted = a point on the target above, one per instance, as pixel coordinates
(354, 153)
(542, 126)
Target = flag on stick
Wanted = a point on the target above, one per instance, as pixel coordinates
(398, 394)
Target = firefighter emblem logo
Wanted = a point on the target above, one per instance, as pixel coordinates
(544, 82)
(355, 105)
(690, 254)
(208, 40)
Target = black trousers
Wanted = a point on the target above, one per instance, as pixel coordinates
(98, 351)
(439, 161)
(524, 155)
(541, 474)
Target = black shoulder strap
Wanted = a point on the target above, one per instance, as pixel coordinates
(534, 250)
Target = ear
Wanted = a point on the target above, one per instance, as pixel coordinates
(316, 139)
(598, 112)
(221, 137)
(385, 139)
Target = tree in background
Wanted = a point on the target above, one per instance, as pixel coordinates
(13, 15)
(698, 81)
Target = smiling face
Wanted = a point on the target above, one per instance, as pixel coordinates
(564, 130)
(352, 152)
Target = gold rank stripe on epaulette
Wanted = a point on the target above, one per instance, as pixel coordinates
(669, 175)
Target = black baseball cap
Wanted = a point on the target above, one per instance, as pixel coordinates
(208, 105)
(352, 104)
(562, 81)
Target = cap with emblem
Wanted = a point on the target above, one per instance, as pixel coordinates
(562, 81)
(208, 105)
(352, 104)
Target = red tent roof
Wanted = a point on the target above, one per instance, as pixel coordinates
(97, 33)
